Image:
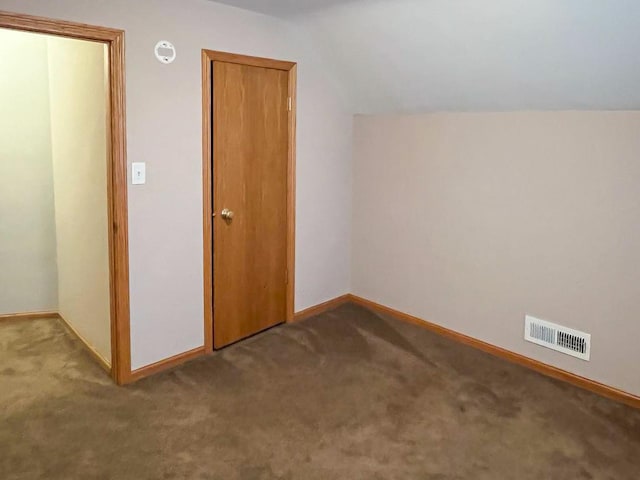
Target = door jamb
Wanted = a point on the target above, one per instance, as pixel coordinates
(116, 173)
(208, 57)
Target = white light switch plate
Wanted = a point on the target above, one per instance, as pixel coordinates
(138, 173)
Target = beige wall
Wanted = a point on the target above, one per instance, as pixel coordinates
(78, 92)
(472, 221)
(28, 274)
(164, 129)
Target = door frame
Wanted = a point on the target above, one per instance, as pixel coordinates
(116, 173)
(209, 170)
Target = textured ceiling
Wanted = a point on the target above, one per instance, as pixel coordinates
(475, 55)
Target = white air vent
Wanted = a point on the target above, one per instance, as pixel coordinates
(563, 339)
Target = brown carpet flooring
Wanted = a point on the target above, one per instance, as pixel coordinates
(345, 395)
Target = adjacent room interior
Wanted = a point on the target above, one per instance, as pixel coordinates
(319, 239)
(54, 243)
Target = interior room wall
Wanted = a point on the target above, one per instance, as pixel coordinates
(28, 274)
(164, 130)
(471, 221)
(78, 94)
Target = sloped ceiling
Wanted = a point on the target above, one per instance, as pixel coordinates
(480, 55)
(284, 8)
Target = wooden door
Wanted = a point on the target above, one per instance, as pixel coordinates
(250, 172)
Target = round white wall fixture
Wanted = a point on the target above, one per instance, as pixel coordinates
(165, 51)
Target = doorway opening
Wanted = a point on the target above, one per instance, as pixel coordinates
(249, 123)
(63, 239)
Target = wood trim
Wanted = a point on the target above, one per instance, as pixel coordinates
(208, 56)
(214, 55)
(30, 23)
(166, 364)
(207, 200)
(543, 368)
(322, 307)
(28, 315)
(103, 362)
(291, 196)
(117, 173)
(118, 216)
